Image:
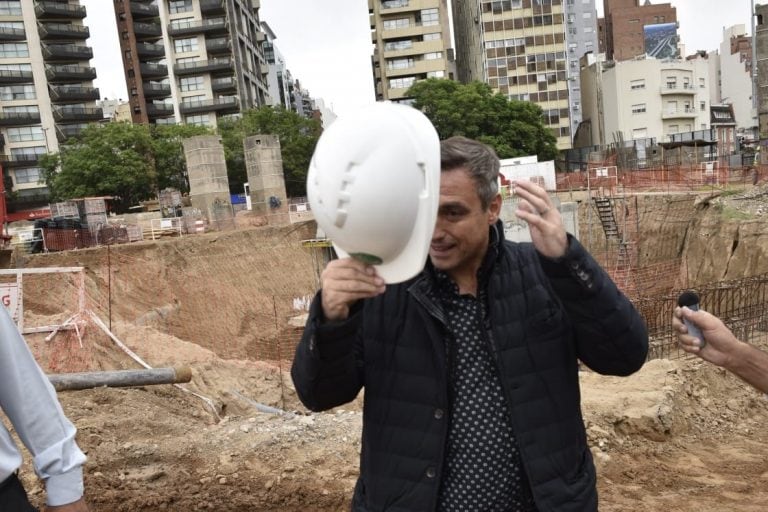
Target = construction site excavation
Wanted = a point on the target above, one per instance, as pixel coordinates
(228, 307)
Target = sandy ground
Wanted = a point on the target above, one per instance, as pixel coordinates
(678, 436)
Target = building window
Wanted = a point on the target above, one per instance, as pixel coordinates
(26, 134)
(185, 45)
(673, 128)
(15, 67)
(402, 83)
(28, 152)
(176, 6)
(16, 25)
(430, 17)
(198, 120)
(433, 55)
(436, 74)
(192, 83)
(17, 92)
(11, 50)
(586, 15)
(10, 8)
(393, 4)
(397, 23)
(183, 22)
(400, 63)
(639, 133)
(638, 109)
(22, 109)
(29, 175)
(398, 45)
(432, 36)
(703, 105)
(193, 99)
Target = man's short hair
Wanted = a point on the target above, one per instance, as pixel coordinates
(478, 159)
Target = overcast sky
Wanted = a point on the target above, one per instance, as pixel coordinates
(326, 44)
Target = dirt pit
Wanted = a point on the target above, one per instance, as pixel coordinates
(679, 436)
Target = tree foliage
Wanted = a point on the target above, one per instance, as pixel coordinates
(130, 162)
(513, 128)
(298, 137)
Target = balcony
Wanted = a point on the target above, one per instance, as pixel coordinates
(670, 88)
(211, 26)
(66, 52)
(219, 45)
(70, 73)
(77, 114)
(150, 70)
(144, 31)
(12, 34)
(50, 31)
(224, 105)
(19, 118)
(679, 113)
(150, 50)
(47, 10)
(212, 6)
(24, 160)
(202, 66)
(74, 93)
(159, 109)
(66, 131)
(224, 84)
(156, 90)
(141, 10)
(12, 76)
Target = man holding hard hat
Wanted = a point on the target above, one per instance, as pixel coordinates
(467, 345)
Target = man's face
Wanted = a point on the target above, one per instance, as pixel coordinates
(460, 239)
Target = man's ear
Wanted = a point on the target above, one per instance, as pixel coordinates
(494, 209)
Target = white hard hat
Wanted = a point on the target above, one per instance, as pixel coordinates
(374, 185)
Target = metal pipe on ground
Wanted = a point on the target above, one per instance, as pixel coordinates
(120, 378)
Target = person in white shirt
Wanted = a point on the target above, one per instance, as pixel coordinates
(30, 403)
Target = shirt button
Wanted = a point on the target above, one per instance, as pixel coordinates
(438, 414)
(431, 473)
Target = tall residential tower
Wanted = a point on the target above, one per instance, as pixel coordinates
(518, 47)
(411, 42)
(192, 61)
(46, 88)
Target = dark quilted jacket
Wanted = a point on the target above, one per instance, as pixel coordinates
(542, 317)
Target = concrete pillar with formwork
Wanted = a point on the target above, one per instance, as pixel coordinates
(264, 164)
(208, 183)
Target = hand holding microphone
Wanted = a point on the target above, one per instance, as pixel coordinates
(690, 300)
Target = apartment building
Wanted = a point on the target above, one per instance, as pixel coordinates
(761, 47)
(192, 61)
(278, 76)
(643, 98)
(518, 47)
(625, 22)
(734, 85)
(581, 36)
(411, 42)
(46, 88)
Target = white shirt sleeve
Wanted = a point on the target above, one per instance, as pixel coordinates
(30, 402)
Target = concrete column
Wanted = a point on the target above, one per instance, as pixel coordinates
(208, 183)
(264, 165)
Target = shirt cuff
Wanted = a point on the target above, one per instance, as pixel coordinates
(65, 488)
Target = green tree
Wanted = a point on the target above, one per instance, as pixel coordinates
(129, 161)
(297, 136)
(513, 128)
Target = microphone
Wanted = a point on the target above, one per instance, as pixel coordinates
(690, 300)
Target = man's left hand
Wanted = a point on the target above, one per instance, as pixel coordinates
(76, 506)
(544, 221)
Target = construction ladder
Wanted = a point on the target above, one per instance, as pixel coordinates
(604, 208)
